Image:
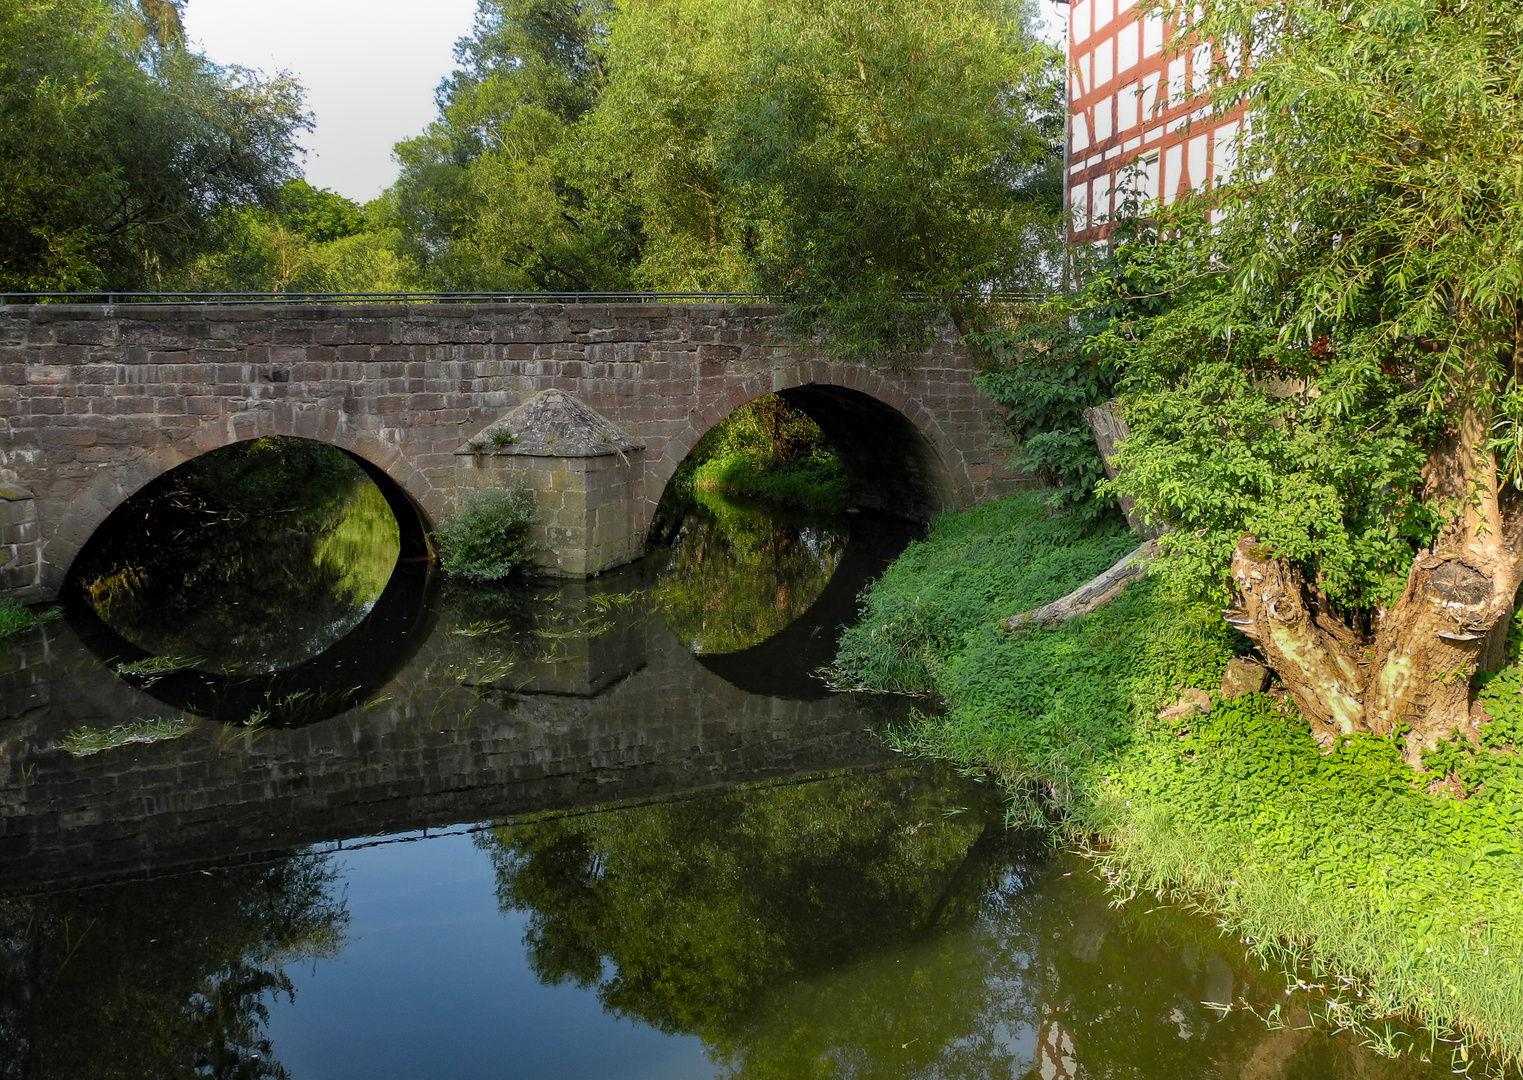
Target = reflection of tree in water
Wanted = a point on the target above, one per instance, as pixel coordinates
(1122, 992)
(850, 928)
(736, 575)
(717, 916)
(167, 978)
(257, 556)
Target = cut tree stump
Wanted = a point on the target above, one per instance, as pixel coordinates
(1095, 593)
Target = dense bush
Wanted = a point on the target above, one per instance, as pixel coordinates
(488, 537)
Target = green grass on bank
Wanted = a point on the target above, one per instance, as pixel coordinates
(1340, 866)
(16, 617)
(816, 483)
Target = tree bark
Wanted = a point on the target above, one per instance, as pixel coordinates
(1095, 593)
(1411, 672)
(1109, 430)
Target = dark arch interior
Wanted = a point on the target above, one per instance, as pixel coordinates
(156, 537)
(894, 470)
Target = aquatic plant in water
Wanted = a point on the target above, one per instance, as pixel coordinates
(151, 669)
(16, 618)
(82, 742)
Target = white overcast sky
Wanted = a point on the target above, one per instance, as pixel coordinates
(370, 68)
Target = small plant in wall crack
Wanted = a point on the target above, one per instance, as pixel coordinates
(503, 437)
(488, 537)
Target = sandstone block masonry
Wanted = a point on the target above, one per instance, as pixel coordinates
(97, 400)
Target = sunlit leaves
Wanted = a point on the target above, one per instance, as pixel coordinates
(120, 148)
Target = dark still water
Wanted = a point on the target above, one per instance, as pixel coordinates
(271, 811)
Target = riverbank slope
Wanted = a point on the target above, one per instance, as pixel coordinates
(1401, 893)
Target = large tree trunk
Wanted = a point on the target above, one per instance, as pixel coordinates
(1412, 670)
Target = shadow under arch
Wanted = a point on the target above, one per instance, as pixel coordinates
(783, 665)
(399, 481)
(340, 677)
(894, 469)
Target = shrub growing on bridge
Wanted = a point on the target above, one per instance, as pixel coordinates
(488, 537)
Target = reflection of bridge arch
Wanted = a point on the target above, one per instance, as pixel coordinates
(403, 487)
(897, 457)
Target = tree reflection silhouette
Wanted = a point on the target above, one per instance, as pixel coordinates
(163, 979)
(854, 928)
(736, 574)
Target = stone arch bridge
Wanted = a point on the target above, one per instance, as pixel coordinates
(600, 401)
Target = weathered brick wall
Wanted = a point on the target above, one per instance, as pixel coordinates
(95, 401)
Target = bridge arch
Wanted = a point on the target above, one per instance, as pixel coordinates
(403, 486)
(898, 459)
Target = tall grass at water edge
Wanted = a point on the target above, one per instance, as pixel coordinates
(1342, 867)
(16, 618)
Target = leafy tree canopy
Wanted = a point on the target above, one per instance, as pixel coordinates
(841, 153)
(900, 148)
(122, 147)
(308, 240)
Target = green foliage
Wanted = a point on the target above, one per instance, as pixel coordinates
(716, 145)
(122, 147)
(82, 742)
(1234, 430)
(488, 196)
(1356, 292)
(17, 618)
(767, 450)
(310, 240)
(906, 159)
(1341, 866)
(488, 537)
(975, 567)
(1043, 708)
(1372, 203)
(1336, 863)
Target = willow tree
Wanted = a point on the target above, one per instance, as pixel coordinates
(1331, 415)
(904, 159)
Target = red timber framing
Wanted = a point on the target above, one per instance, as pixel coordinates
(1138, 119)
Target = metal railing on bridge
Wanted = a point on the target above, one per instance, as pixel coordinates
(308, 298)
(222, 299)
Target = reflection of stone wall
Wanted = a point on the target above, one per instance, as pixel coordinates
(432, 753)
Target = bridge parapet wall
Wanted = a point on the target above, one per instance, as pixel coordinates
(97, 400)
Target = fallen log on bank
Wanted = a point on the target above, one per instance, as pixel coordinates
(1095, 593)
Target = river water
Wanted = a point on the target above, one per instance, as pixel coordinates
(273, 803)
